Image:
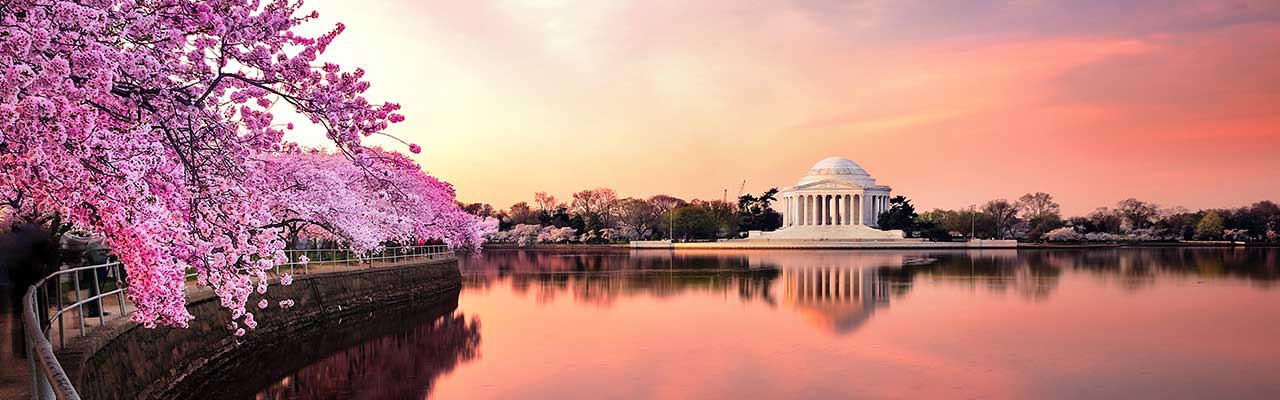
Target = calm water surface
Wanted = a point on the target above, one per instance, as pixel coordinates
(1102, 323)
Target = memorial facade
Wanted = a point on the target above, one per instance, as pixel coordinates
(835, 200)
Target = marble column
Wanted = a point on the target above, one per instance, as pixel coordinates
(817, 210)
(834, 204)
(862, 209)
(874, 208)
(857, 209)
(879, 207)
(826, 210)
(795, 207)
(840, 210)
(808, 210)
(786, 210)
(838, 214)
(802, 209)
(822, 210)
(796, 203)
(840, 202)
(835, 209)
(870, 211)
(853, 211)
(882, 209)
(791, 208)
(848, 213)
(831, 210)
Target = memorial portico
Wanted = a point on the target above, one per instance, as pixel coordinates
(835, 199)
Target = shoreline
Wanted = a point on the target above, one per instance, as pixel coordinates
(627, 247)
(124, 360)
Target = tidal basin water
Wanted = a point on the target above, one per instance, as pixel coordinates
(1098, 323)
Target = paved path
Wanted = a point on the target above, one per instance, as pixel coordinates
(14, 379)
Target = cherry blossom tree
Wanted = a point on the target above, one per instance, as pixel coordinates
(1064, 234)
(388, 199)
(143, 120)
(551, 234)
(522, 235)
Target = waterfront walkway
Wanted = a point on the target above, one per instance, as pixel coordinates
(15, 378)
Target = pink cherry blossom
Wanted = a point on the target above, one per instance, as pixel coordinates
(150, 122)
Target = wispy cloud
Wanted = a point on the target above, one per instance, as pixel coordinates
(644, 92)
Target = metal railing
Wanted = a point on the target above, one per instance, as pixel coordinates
(69, 292)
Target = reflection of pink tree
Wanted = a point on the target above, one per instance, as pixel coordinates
(400, 366)
(142, 120)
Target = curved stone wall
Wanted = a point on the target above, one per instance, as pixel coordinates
(126, 361)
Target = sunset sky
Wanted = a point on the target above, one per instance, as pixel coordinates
(949, 102)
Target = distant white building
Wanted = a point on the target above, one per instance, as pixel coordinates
(835, 200)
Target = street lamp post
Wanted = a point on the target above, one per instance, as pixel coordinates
(973, 222)
(671, 223)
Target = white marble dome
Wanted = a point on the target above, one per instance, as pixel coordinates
(838, 168)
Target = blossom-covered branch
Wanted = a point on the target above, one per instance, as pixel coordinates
(143, 121)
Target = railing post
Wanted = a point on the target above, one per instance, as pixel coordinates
(62, 326)
(75, 278)
(44, 308)
(120, 287)
(97, 287)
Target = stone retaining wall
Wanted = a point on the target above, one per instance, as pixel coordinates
(127, 361)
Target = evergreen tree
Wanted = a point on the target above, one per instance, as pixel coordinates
(1210, 226)
(901, 215)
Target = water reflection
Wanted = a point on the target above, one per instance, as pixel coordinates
(397, 352)
(602, 277)
(403, 365)
(839, 291)
(834, 298)
(1100, 323)
(1035, 274)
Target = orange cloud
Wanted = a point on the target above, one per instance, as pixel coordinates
(951, 108)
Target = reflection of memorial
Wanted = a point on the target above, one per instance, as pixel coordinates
(837, 298)
(838, 291)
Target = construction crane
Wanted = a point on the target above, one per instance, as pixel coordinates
(725, 196)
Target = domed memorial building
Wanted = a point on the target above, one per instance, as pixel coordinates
(835, 200)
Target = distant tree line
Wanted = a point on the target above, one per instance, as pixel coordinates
(1037, 217)
(599, 216)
